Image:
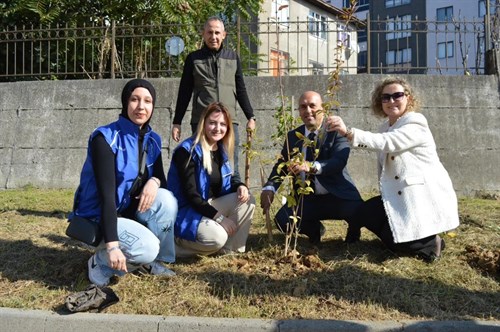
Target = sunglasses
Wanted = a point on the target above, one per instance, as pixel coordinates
(396, 96)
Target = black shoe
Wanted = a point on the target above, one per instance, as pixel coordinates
(435, 256)
(353, 235)
(317, 239)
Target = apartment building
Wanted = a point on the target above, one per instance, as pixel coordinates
(302, 37)
(422, 36)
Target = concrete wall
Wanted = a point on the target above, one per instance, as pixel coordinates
(44, 126)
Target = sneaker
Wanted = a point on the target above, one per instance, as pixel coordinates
(158, 269)
(96, 275)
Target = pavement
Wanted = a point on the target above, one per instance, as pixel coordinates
(19, 320)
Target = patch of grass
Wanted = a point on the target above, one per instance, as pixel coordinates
(39, 266)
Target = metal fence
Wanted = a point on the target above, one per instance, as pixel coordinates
(426, 47)
(266, 48)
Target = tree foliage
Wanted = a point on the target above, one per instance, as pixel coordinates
(79, 12)
(165, 17)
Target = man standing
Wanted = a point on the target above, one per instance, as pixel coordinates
(210, 74)
(335, 195)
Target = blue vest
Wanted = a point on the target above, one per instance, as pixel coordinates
(186, 224)
(123, 139)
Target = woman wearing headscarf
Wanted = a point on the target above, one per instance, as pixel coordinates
(129, 200)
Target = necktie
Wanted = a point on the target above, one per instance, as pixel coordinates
(310, 149)
(310, 157)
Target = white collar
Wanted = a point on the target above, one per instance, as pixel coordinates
(307, 132)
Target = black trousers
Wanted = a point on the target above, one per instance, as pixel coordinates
(371, 214)
(314, 209)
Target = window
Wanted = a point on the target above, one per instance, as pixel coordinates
(482, 8)
(362, 59)
(445, 50)
(280, 10)
(361, 5)
(400, 27)
(444, 14)
(343, 37)
(362, 36)
(398, 56)
(395, 3)
(317, 68)
(317, 25)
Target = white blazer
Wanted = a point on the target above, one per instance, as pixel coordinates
(416, 189)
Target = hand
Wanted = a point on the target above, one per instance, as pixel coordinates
(116, 258)
(243, 194)
(148, 195)
(336, 123)
(230, 226)
(266, 198)
(176, 132)
(251, 124)
(297, 168)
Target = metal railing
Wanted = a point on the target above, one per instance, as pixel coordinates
(266, 48)
(426, 47)
(106, 51)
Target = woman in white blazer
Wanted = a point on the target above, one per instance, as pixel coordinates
(417, 200)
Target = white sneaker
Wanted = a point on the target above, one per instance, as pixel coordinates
(96, 276)
(158, 269)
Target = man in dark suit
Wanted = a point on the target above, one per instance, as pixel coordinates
(335, 195)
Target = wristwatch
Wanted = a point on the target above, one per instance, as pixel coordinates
(219, 219)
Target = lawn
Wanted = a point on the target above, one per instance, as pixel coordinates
(40, 265)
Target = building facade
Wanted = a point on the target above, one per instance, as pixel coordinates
(422, 36)
(304, 38)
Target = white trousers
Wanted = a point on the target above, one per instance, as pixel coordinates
(211, 237)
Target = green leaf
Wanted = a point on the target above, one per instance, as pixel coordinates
(299, 135)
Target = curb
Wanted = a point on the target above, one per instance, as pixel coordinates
(18, 320)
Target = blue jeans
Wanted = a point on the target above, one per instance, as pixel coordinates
(149, 238)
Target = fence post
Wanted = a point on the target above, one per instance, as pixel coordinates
(487, 28)
(368, 45)
(113, 49)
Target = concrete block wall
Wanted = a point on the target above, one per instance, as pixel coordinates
(44, 126)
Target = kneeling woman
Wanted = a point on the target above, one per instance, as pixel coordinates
(122, 188)
(215, 208)
(417, 200)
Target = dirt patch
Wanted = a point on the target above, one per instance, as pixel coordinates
(487, 261)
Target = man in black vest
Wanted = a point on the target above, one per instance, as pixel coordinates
(210, 74)
(335, 195)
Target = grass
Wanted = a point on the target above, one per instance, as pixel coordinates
(40, 266)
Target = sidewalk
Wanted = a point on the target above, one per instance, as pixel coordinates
(16, 320)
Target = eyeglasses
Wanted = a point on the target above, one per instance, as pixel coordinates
(396, 96)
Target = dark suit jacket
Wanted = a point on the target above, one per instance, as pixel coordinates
(333, 155)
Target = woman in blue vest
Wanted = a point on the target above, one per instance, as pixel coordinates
(122, 188)
(215, 207)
